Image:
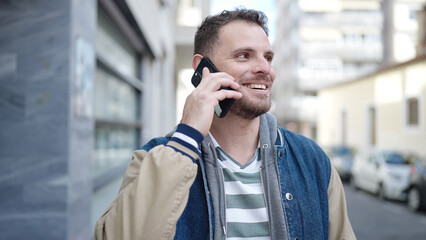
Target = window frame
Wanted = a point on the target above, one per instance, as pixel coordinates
(412, 113)
(413, 128)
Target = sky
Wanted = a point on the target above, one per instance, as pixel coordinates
(266, 6)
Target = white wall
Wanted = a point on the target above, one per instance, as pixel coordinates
(387, 91)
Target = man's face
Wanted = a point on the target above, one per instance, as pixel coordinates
(245, 53)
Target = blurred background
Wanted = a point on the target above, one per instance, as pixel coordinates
(85, 83)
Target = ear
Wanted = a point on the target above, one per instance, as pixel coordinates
(196, 59)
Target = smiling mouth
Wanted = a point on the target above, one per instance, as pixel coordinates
(256, 86)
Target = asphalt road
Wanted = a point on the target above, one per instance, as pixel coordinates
(373, 218)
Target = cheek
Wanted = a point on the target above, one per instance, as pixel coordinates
(230, 69)
(236, 73)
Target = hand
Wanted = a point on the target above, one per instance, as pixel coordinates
(199, 105)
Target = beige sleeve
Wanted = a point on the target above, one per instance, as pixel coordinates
(340, 227)
(152, 197)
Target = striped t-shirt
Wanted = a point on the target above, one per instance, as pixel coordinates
(246, 210)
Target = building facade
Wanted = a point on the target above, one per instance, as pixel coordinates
(400, 30)
(189, 16)
(83, 84)
(322, 43)
(386, 110)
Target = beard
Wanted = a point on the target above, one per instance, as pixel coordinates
(249, 109)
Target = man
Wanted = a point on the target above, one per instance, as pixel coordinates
(234, 177)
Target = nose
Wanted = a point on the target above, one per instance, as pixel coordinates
(262, 65)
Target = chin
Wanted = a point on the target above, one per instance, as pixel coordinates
(250, 110)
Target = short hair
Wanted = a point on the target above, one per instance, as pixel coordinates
(207, 35)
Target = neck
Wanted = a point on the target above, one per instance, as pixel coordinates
(238, 137)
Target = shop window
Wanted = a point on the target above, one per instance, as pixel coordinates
(113, 47)
(117, 105)
(116, 100)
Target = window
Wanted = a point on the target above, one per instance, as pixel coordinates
(412, 112)
(343, 127)
(371, 126)
(413, 14)
(320, 67)
(113, 46)
(117, 98)
(188, 14)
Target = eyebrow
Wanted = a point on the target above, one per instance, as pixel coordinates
(269, 52)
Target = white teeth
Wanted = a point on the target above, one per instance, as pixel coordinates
(256, 86)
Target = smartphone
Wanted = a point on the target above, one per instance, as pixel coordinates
(223, 107)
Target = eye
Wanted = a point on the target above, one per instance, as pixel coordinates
(269, 58)
(243, 55)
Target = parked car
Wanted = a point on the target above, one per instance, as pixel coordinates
(342, 158)
(416, 198)
(382, 172)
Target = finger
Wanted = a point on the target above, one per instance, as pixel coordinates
(206, 71)
(232, 84)
(223, 94)
(218, 81)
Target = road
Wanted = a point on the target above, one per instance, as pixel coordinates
(373, 218)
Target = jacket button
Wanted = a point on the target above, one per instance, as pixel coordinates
(296, 238)
(280, 154)
(289, 196)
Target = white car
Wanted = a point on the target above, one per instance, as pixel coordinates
(342, 158)
(385, 173)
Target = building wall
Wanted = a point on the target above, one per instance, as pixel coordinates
(387, 91)
(49, 67)
(45, 144)
(354, 99)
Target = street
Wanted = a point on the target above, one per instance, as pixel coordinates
(373, 218)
